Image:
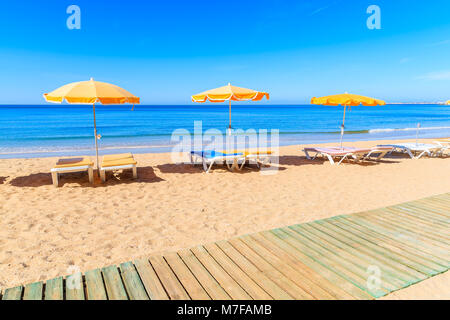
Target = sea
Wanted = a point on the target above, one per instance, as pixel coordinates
(28, 131)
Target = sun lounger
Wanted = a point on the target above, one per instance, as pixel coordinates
(208, 158)
(379, 151)
(260, 156)
(117, 162)
(67, 165)
(413, 148)
(332, 153)
(444, 143)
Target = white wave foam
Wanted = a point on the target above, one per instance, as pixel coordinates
(406, 129)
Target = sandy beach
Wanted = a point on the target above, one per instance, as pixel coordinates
(45, 230)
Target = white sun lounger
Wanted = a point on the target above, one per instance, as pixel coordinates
(117, 162)
(208, 158)
(377, 151)
(67, 165)
(444, 143)
(413, 148)
(332, 153)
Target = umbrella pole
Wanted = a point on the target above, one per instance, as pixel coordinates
(95, 135)
(342, 126)
(229, 115)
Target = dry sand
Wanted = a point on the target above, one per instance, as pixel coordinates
(44, 230)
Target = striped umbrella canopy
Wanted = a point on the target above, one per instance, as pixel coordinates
(346, 100)
(91, 92)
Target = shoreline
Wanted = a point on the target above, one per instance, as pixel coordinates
(162, 149)
(171, 207)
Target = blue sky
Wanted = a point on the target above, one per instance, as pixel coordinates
(165, 51)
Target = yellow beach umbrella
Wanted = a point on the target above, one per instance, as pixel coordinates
(448, 102)
(346, 100)
(91, 92)
(229, 93)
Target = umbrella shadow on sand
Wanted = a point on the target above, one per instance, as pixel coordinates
(302, 160)
(183, 168)
(2, 179)
(145, 175)
(80, 179)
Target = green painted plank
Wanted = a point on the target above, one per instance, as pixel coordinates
(402, 253)
(13, 293)
(433, 232)
(429, 212)
(344, 268)
(95, 289)
(409, 237)
(132, 282)
(397, 273)
(33, 291)
(381, 254)
(352, 262)
(54, 289)
(113, 283)
(74, 287)
(328, 280)
(435, 252)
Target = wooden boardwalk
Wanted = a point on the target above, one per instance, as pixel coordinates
(359, 256)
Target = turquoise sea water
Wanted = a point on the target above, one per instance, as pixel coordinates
(56, 130)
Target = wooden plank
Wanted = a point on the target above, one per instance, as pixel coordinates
(95, 288)
(132, 282)
(392, 271)
(351, 262)
(168, 279)
(293, 273)
(341, 267)
(254, 273)
(420, 219)
(285, 283)
(402, 254)
(430, 249)
(336, 282)
(402, 247)
(421, 224)
(251, 287)
(113, 283)
(54, 289)
(185, 276)
(433, 232)
(380, 255)
(430, 213)
(438, 206)
(211, 286)
(407, 237)
(150, 280)
(394, 227)
(74, 287)
(13, 293)
(231, 287)
(33, 291)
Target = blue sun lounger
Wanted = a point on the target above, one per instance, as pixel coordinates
(208, 158)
